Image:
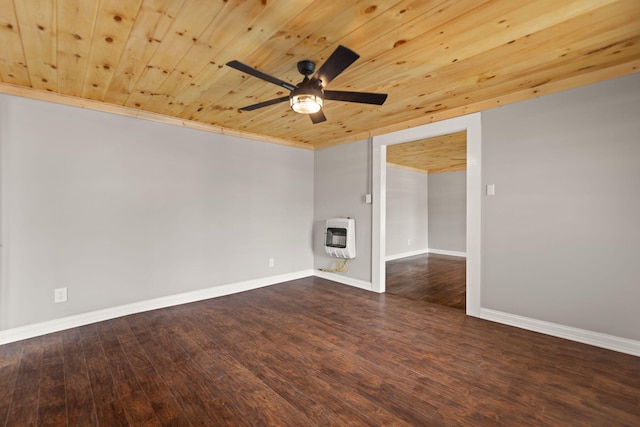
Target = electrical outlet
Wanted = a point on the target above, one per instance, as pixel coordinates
(59, 295)
(271, 262)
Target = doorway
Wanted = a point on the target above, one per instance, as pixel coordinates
(425, 248)
(472, 126)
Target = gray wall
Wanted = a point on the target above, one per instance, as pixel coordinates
(340, 185)
(429, 210)
(561, 237)
(120, 210)
(407, 211)
(448, 211)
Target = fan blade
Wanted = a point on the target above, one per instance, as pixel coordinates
(360, 97)
(264, 104)
(339, 60)
(317, 117)
(259, 74)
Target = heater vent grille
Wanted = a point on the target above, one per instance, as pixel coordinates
(336, 237)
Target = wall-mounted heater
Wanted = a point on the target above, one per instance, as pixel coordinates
(340, 237)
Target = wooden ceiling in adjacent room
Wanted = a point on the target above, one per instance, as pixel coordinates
(445, 153)
(165, 59)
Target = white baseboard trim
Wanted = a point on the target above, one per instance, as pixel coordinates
(406, 254)
(37, 329)
(445, 252)
(610, 342)
(425, 251)
(345, 280)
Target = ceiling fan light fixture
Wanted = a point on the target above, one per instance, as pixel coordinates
(306, 101)
(306, 104)
(308, 96)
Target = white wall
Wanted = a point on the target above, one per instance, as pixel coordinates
(120, 210)
(341, 183)
(448, 211)
(407, 212)
(561, 237)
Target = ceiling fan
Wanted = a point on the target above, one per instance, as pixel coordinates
(307, 97)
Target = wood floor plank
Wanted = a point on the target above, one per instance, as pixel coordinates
(81, 403)
(52, 408)
(30, 364)
(109, 410)
(10, 355)
(313, 352)
(24, 402)
(52, 374)
(52, 403)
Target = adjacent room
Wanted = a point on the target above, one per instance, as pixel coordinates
(305, 213)
(426, 224)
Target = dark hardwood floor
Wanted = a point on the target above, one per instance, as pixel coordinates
(438, 279)
(313, 353)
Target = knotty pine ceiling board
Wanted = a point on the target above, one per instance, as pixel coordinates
(165, 59)
(13, 64)
(75, 25)
(37, 27)
(445, 153)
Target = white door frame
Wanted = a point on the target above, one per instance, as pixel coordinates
(472, 125)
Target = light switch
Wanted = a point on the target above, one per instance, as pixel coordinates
(491, 189)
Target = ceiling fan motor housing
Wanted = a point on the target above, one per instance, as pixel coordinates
(306, 67)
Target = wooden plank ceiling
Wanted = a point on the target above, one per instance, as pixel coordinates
(165, 59)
